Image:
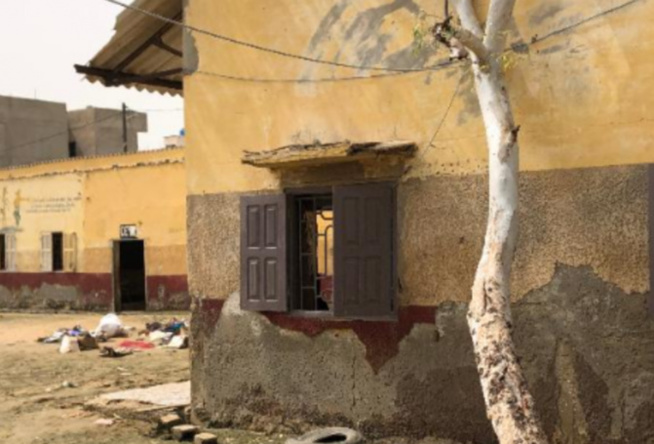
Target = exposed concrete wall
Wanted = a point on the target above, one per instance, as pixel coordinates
(32, 131)
(105, 136)
(584, 344)
(580, 285)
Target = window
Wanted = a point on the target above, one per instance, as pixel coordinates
(58, 251)
(328, 251)
(7, 252)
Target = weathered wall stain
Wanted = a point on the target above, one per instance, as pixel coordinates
(430, 386)
(56, 291)
(365, 37)
(381, 338)
(545, 11)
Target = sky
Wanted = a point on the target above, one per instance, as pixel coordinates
(41, 40)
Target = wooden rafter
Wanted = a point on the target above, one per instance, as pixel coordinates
(113, 78)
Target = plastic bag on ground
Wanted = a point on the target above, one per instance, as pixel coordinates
(69, 345)
(109, 326)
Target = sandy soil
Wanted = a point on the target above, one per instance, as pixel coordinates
(35, 408)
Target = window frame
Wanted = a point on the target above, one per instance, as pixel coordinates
(292, 269)
(68, 252)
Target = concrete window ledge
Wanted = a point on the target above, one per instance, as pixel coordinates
(330, 153)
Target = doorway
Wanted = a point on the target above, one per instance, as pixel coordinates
(129, 275)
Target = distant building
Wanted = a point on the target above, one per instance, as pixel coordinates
(93, 233)
(36, 131)
(174, 141)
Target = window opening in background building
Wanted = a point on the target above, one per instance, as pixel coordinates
(57, 251)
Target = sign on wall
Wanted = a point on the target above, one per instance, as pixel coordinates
(128, 232)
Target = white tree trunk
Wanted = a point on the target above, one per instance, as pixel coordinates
(509, 405)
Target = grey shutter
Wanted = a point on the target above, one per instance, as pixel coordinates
(263, 253)
(364, 220)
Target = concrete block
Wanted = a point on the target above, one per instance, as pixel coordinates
(184, 432)
(170, 420)
(205, 438)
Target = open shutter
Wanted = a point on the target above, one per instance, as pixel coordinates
(364, 219)
(70, 251)
(263, 253)
(46, 252)
(10, 251)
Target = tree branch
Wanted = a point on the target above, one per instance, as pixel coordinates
(499, 15)
(468, 17)
(461, 42)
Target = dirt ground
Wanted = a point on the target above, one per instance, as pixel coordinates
(36, 408)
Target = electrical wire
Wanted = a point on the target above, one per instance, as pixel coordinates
(392, 71)
(432, 68)
(537, 39)
(445, 114)
(261, 47)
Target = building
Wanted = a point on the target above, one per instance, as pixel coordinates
(36, 131)
(285, 155)
(94, 233)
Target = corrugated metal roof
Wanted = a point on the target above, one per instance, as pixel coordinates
(135, 38)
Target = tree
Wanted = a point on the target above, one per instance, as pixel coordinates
(509, 404)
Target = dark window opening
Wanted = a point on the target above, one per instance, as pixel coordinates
(57, 251)
(3, 252)
(72, 149)
(313, 267)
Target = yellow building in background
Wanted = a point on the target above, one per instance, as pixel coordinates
(99, 233)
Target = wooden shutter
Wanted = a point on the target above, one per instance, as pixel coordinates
(364, 220)
(46, 252)
(70, 251)
(263, 253)
(10, 251)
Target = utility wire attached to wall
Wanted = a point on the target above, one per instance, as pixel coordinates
(261, 47)
(391, 71)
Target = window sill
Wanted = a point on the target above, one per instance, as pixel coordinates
(329, 316)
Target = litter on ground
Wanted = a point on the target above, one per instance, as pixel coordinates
(170, 334)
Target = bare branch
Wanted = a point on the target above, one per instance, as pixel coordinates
(499, 15)
(461, 42)
(468, 17)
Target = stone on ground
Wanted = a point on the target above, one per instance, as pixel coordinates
(170, 420)
(205, 438)
(184, 432)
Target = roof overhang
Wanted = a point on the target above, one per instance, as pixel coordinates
(330, 153)
(144, 53)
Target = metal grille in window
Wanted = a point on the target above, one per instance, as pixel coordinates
(315, 254)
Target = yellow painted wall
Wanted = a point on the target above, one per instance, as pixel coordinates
(32, 206)
(582, 98)
(92, 197)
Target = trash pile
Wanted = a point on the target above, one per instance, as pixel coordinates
(172, 334)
